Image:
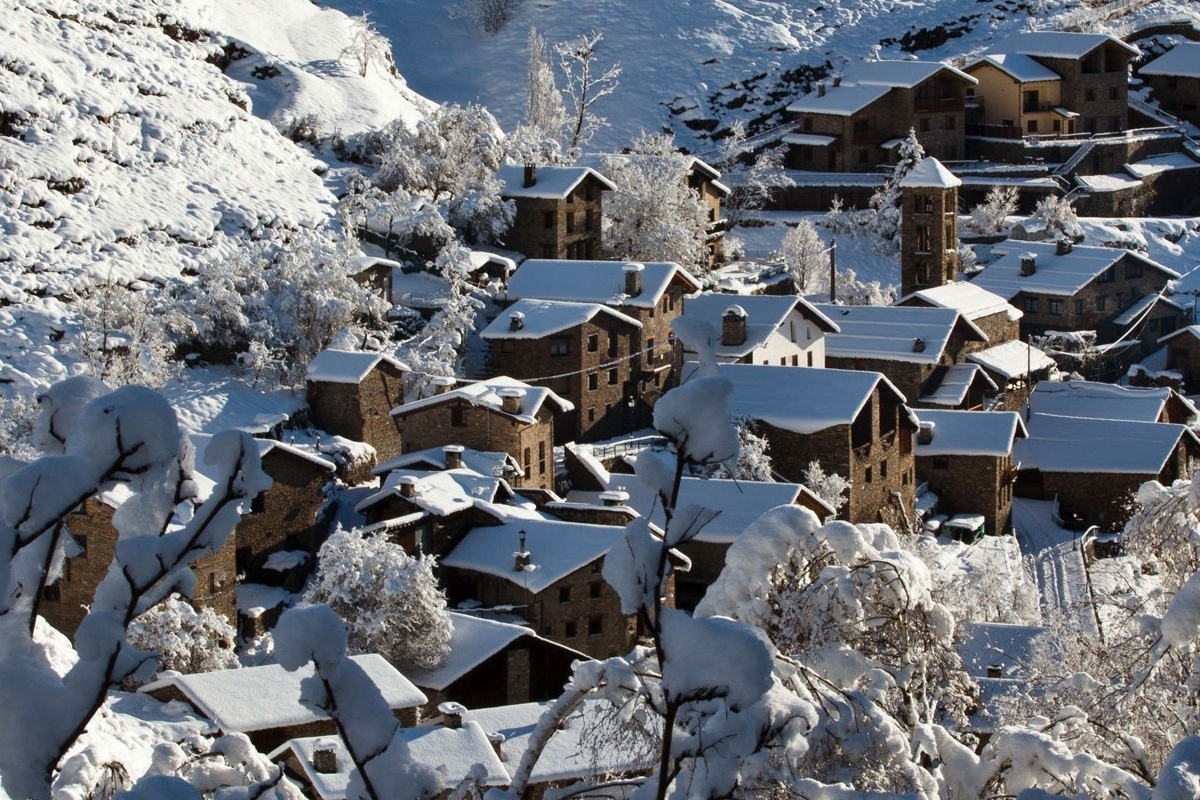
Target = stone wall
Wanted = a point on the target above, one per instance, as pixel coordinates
(561, 229)
(971, 485)
(361, 412)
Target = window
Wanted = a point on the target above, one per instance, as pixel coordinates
(868, 475)
(589, 220)
(548, 251)
(593, 381)
(612, 343)
(570, 222)
(1031, 126)
(1029, 101)
(1056, 308)
(458, 417)
(807, 124)
(564, 594)
(795, 360)
(542, 458)
(595, 626)
(922, 242)
(592, 414)
(569, 629)
(1133, 269)
(651, 355)
(594, 590)
(949, 124)
(593, 342)
(548, 219)
(1113, 93)
(613, 378)
(924, 124)
(1101, 302)
(1089, 95)
(810, 360)
(560, 346)
(528, 463)
(1078, 306)
(883, 468)
(1106, 276)
(1056, 125)
(1031, 305)
(52, 592)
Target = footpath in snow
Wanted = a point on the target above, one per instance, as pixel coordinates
(1057, 560)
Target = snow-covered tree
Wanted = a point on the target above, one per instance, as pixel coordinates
(999, 204)
(367, 46)
(390, 600)
(587, 83)
(187, 639)
(883, 216)
(18, 418)
(122, 335)
(829, 486)
(752, 176)
(1057, 217)
(753, 462)
(806, 258)
(654, 215)
(545, 115)
(451, 150)
(128, 438)
(855, 292)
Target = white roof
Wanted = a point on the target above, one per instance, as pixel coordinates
(488, 394)
(1100, 400)
(482, 462)
(346, 366)
(971, 433)
(457, 750)
(474, 641)
(1182, 60)
(541, 318)
(1164, 162)
(594, 281)
(1191, 330)
(1058, 44)
(572, 752)
(556, 550)
(1143, 304)
(1062, 275)
(259, 698)
(929, 172)
(439, 493)
(1020, 67)
(1011, 359)
(801, 399)
(956, 381)
(891, 332)
(841, 100)
(553, 183)
(809, 139)
(765, 313)
(904, 74)
(967, 298)
(1076, 444)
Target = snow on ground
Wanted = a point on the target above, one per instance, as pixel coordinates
(1057, 558)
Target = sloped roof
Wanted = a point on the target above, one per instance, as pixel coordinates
(483, 462)
(438, 493)
(1143, 304)
(1058, 44)
(259, 698)
(1010, 360)
(904, 74)
(541, 318)
(346, 366)
(929, 172)
(488, 394)
(967, 298)
(956, 381)
(1018, 66)
(1061, 275)
(971, 433)
(891, 332)
(842, 100)
(1078, 444)
(765, 313)
(1182, 60)
(553, 183)
(1095, 400)
(595, 281)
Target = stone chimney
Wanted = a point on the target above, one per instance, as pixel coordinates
(614, 498)
(918, 345)
(510, 399)
(733, 326)
(837, 79)
(324, 757)
(820, 90)
(1028, 264)
(925, 433)
(496, 740)
(452, 714)
(633, 278)
(1062, 247)
(995, 671)
(442, 384)
(453, 455)
(408, 486)
(530, 177)
(521, 557)
(516, 321)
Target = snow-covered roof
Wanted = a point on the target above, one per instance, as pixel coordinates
(1164, 162)
(764, 313)
(482, 462)
(541, 318)
(202, 470)
(1143, 304)
(1182, 60)
(552, 183)
(209, 402)
(1054, 274)
(967, 298)
(1058, 44)
(346, 366)
(1001, 644)
(809, 139)
(695, 164)
(1018, 66)
(1095, 400)
(595, 281)
(556, 550)
(956, 381)
(439, 493)
(1011, 360)
(258, 698)
(456, 750)
(1190, 330)
(904, 74)
(841, 101)
(1109, 182)
(971, 433)
(929, 173)
(256, 599)
(572, 752)
(1077, 444)
(892, 332)
(801, 399)
(490, 394)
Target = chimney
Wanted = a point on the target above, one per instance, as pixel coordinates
(442, 384)
(820, 90)
(633, 278)
(452, 714)
(995, 671)
(837, 79)
(453, 455)
(918, 345)
(521, 557)
(614, 498)
(510, 399)
(324, 757)
(516, 321)
(1062, 247)
(408, 486)
(530, 175)
(925, 433)
(1028, 264)
(733, 326)
(497, 741)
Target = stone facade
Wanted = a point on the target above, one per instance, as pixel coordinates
(528, 670)
(554, 227)
(361, 411)
(1183, 356)
(1178, 95)
(928, 236)
(284, 517)
(967, 484)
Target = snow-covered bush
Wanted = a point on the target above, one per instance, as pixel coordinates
(123, 335)
(391, 601)
(999, 204)
(752, 177)
(829, 486)
(1057, 217)
(805, 256)
(187, 640)
(450, 150)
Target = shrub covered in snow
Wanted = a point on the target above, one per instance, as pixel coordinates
(187, 640)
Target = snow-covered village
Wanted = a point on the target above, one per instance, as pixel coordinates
(549, 400)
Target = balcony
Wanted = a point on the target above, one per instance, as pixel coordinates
(938, 104)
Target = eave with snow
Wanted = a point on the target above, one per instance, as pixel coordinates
(1174, 80)
(990, 312)
(558, 209)
(1095, 400)
(762, 329)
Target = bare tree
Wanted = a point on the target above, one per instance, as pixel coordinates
(366, 46)
(545, 115)
(587, 84)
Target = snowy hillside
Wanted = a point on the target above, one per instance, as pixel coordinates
(687, 63)
(126, 154)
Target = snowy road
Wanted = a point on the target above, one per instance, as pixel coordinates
(1057, 562)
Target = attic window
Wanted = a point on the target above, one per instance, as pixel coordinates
(458, 417)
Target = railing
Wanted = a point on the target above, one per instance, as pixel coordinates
(938, 104)
(994, 131)
(627, 446)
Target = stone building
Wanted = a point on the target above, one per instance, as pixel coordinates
(965, 458)
(1095, 400)
(1063, 287)
(352, 393)
(548, 573)
(854, 423)
(928, 226)
(854, 122)
(921, 350)
(1051, 82)
(1174, 80)
(998, 319)
(558, 210)
(762, 329)
(650, 293)
(499, 414)
(1093, 467)
(588, 344)
(1183, 355)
